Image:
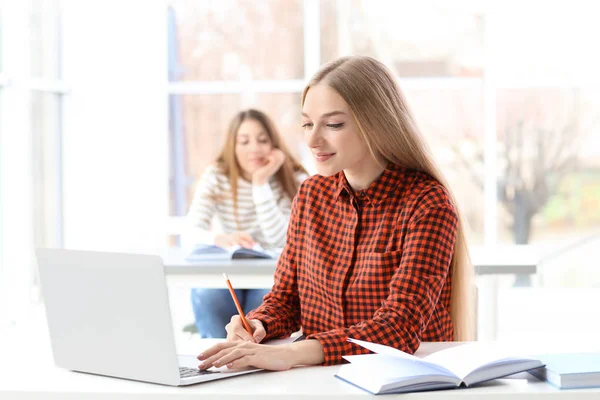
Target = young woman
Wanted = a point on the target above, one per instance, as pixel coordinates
(375, 247)
(250, 189)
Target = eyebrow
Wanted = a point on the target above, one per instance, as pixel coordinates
(329, 114)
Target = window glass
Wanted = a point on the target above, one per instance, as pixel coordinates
(424, 38)
(557, 46)
(237, 40)
(549, 164)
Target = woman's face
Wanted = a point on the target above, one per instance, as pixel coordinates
(331, 133)
(252, 146)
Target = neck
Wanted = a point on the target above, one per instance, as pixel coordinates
(361, 177)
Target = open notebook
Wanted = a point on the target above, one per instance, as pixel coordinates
(393, 371)
(212, 253)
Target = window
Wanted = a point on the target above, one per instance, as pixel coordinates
(511, 112)
(215, 72)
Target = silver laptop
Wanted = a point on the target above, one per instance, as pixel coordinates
(108, 314)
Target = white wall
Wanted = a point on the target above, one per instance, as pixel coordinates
(115, 154)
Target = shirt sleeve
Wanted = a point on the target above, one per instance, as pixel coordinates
(202, 210)
(415, 288)
(272, 214)
(280, 309)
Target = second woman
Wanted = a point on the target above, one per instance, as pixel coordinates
(249, 189)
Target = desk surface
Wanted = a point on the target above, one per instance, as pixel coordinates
(45, 381)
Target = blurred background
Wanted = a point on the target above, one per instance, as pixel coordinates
(110, 110)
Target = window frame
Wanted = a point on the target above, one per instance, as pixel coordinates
(17, 87)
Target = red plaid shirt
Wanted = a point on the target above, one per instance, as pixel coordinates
(372, 265)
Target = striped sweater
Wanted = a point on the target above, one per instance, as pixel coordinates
(262, 211)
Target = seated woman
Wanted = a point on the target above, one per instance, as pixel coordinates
(250, 189)
(375, 247)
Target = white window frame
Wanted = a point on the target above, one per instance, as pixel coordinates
(18, 289)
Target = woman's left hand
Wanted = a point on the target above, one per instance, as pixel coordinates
(275, 160)
(243, 354)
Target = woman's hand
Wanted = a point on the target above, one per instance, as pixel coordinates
(275, 160)
(238, 238)
(236, 332)
(240, 354)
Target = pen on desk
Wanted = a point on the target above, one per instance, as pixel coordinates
(237, 305)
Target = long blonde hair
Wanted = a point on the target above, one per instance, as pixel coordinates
(391, 133)
(228, 164)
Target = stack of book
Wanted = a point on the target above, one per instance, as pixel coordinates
(570, 371)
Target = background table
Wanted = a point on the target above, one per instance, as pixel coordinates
(489, 264)
(251, 274)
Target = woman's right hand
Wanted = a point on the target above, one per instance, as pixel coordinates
(238, 238)
(235, 330)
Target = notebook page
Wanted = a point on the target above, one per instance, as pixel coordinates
(390, 354)
(374, 372)
(466, 358)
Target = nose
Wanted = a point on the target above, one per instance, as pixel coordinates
(313, 137)
(254, 146)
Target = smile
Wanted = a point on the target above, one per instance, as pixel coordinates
(322, 157)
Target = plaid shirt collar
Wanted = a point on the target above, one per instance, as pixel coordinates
(392, 178)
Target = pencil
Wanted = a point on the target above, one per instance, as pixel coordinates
(237, 305)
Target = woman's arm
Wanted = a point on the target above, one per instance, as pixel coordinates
(275, 358)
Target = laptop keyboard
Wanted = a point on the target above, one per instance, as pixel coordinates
(185, 372)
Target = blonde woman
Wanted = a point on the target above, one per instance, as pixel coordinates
(250, 189)
(375, 247)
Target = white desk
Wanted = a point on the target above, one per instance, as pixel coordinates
(31, 352)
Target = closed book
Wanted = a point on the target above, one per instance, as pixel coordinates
(570, 371)
(390, 370)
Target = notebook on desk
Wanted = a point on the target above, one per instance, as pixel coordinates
(215, 253)
(390, 370)
(108, 314)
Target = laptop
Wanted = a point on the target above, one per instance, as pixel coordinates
(108, 314)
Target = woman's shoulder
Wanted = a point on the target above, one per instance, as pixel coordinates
(427, 192)
(213, 175)
(212, 169)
